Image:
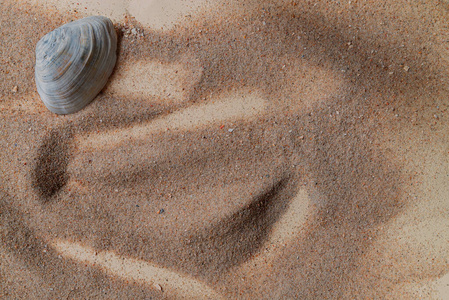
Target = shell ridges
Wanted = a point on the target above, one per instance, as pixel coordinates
(74, 62)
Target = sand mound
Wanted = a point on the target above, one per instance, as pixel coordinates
(254, 150)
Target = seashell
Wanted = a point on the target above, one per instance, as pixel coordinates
(74, 62)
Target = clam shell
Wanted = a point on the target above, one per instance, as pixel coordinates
(74, 62)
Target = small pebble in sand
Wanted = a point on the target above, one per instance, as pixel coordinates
(158, 287)
(406, 68)
(15, 89)
(160, 211)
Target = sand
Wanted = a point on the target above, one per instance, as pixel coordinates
(240, 150)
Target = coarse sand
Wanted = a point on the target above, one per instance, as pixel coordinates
(240, 150)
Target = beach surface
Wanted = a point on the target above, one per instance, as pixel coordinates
(240, 150)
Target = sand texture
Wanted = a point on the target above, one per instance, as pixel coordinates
(240, 150)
